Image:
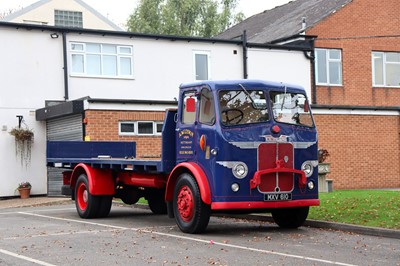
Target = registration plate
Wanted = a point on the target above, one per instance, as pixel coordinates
(277, 196)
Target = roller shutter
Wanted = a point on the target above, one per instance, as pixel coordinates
(64, 128)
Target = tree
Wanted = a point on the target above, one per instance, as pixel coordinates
(204, 18)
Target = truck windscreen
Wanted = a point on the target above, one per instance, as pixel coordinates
(239, 107)
(291, 108)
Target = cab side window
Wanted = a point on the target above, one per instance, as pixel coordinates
(207, 109)
(189, 107)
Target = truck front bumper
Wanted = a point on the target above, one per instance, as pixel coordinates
(256, 205)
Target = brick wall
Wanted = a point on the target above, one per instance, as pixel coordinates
(364, 149)
(103, 125)
(358, 29)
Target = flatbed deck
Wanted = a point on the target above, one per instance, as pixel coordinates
(105, 155)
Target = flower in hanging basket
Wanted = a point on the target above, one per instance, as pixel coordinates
(23, 185)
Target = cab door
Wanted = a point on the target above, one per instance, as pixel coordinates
(206, 134)
(185, 126)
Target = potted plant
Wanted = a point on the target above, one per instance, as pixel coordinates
(24, 189)
(323, 169)
(23, 144)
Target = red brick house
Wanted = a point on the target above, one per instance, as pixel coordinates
(355, 77)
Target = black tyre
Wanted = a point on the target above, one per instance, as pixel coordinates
(191, 213)
(86, 204)
(290, 217)
(130, 195)
(104, 206)
(157, 202)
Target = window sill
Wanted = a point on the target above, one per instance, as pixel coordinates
(101, 77)
(386, 87)
(328, 85)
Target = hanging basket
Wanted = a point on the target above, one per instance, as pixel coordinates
(22, 134)
(23, 144)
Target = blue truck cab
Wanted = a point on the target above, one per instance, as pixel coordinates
(231, 146)
(255, 144)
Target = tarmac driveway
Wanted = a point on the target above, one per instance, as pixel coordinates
(55, 235)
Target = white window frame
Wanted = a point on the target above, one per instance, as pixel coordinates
(119, 56)
(136, 128)
(208, 54)
(155, 128)
(145, 122)
(384, 64)
(126, 133)
(328, 60)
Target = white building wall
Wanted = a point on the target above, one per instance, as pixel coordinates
(30, 72)
(281, 66)
(159, 67)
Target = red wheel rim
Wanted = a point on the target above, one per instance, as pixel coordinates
(82, 196)
(185, 203)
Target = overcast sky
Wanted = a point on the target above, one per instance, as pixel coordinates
(118, 11)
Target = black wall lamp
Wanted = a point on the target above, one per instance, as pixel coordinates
(54, 35)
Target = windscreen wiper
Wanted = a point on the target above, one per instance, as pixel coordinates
(248, 94)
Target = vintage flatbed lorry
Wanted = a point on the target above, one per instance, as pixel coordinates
(230, 146)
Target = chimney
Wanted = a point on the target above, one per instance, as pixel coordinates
(303, 25)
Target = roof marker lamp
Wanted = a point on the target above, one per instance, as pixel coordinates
(276, 129)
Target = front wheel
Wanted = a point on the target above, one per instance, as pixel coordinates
(191, 213)
(290, 217)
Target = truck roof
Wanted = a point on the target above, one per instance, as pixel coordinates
(247, 83)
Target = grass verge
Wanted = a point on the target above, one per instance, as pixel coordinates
(375, 208)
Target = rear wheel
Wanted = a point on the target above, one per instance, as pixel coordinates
(290, 217)
(156, 201)
(191, 213)
(104, 206)
(129, 194)
(86, 204)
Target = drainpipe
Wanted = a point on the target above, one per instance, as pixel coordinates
(311, 57)
(244, 46)
(65, 57)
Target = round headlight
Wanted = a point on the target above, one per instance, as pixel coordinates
(307, 168)
(235, 187)
(240, 170)
(310, 185)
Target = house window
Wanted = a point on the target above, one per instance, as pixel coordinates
(101, 60)
(159, 127)
(135, 128)
(145, 128)
(385, 69)
(65, 18)
(201, 65)
(127, 128)
(328, 67)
